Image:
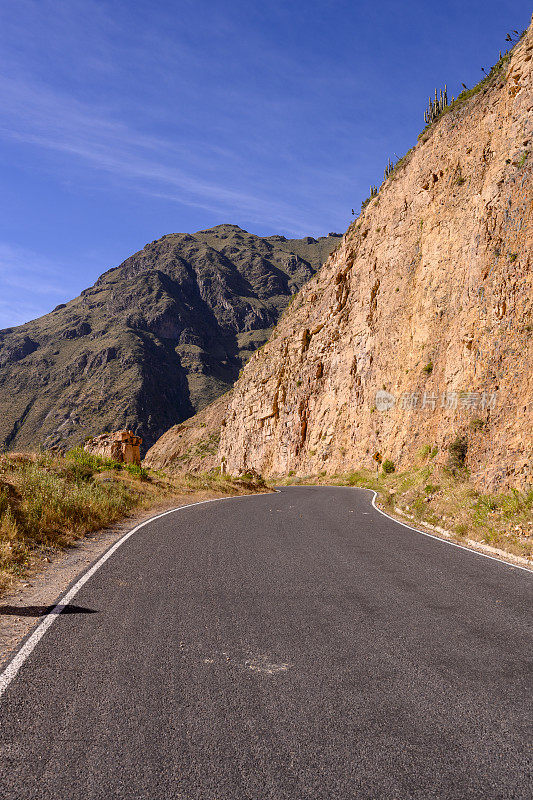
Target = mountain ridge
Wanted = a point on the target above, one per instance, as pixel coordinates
(153, 340)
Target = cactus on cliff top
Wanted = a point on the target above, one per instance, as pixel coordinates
(437, 106)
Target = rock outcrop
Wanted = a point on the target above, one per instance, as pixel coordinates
(419, 328)
(154, 340)
(121, 446)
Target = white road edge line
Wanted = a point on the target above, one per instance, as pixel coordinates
(410, 527)
(444, 541)
(13, 666)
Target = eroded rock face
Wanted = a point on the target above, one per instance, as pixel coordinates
(121, 446)
(427, 301)
(154, 340)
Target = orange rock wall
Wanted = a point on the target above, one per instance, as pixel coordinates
(428, 299)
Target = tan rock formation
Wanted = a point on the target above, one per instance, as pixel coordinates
(419, 326)
(121, 446)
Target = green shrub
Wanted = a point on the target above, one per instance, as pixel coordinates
(388, 466)
(136, 471)
(356, 478)
(457, 452)
(476, 424)
(51, 506)
(428, 369)
(419, 506)
(76, 473)
(90, 461)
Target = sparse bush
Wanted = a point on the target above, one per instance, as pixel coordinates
(390, 498)
(356, 478)
(388, 466)
(485, 505)
(476, 424)
(428, 369)
(373, 193)
(75, 472)
(136, 471)
(419, 506)
(457, 453)
(90, 461)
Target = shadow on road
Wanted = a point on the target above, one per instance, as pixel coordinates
(41, 611)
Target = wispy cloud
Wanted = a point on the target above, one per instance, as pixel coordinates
(201, 107)
(150, 164)
(17, 311)
(192, 112)
(30, 284)
(24, 269)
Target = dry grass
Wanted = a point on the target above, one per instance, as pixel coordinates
(47, 502)
(433, 495)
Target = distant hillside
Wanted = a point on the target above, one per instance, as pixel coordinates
(154, 340)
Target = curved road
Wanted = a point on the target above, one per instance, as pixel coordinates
(279, 647)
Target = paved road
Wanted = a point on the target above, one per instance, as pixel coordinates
(279, 647)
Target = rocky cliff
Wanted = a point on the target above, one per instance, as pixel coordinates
(418, 329)
(153, 340)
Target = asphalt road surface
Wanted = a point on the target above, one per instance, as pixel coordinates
(294, 645)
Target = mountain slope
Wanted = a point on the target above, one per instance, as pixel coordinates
(429, 298)
(154, 340)
(191, 446)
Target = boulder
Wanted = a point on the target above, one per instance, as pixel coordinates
(121, 446)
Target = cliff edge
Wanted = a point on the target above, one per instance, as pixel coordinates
(418, 329)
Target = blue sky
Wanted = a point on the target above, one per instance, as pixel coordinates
(123, 120)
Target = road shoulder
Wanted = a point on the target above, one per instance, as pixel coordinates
(23, 606)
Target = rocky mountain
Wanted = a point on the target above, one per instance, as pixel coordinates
(154, 340)
(417, 332)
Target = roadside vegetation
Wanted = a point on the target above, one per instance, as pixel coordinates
(48, 502)
(443, 499)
